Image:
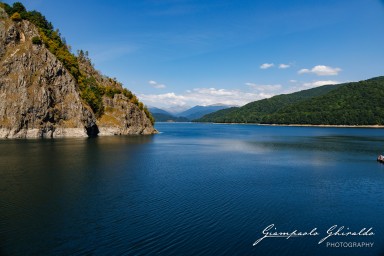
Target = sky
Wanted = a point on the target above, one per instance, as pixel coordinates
(180, 53)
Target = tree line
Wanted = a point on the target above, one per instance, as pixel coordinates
(358, 103)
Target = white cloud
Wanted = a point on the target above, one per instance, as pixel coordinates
(267, 65)
(204, 97)
(170, 98)
(293, 81)
(321, 70)
(208, 96)
(265, 87)
(304, 71)
(213, 91)
(284, 66)
(320, 83)
(156, 84)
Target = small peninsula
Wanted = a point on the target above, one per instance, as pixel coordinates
(47, 91)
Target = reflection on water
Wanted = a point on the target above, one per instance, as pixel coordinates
(194, 189)
(46, 185)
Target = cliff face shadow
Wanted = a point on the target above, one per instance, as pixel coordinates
(92, 131)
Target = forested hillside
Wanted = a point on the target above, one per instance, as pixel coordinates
(360, 103)
(256, 111)
(357, 103)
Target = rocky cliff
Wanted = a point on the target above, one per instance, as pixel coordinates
(39, 97)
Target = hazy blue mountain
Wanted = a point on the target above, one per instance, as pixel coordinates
(200, 111)
(168, 118)
(195, 112)
(176, 110)
(161, 115)
(155, 110)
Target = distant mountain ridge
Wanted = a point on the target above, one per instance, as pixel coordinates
(155, 110)
(200, 111)
(188, 115)
(161, 115)
(355, 103)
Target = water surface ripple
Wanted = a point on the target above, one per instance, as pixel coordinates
(194, 189)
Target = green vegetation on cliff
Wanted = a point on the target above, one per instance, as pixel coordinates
(358, 103)
(91, 89)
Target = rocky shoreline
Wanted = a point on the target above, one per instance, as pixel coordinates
(68, 133)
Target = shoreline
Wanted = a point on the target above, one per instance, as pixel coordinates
(306, 125)
(327, 125)
(58, 133)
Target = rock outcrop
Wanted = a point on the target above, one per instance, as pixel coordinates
(122, 117)
(40, 98)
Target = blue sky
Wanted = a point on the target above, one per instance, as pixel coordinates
(196, 52)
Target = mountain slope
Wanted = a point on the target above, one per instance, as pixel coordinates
(161, 115)
(256, 111)
(155, 110)
(169, 118)
(358, 103)
(200, 111)
(46, 91)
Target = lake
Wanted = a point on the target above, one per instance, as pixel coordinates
(195, 189)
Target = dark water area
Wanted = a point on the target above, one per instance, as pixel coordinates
(194, 189)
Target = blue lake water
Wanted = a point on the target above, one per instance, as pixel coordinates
(193, 189)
